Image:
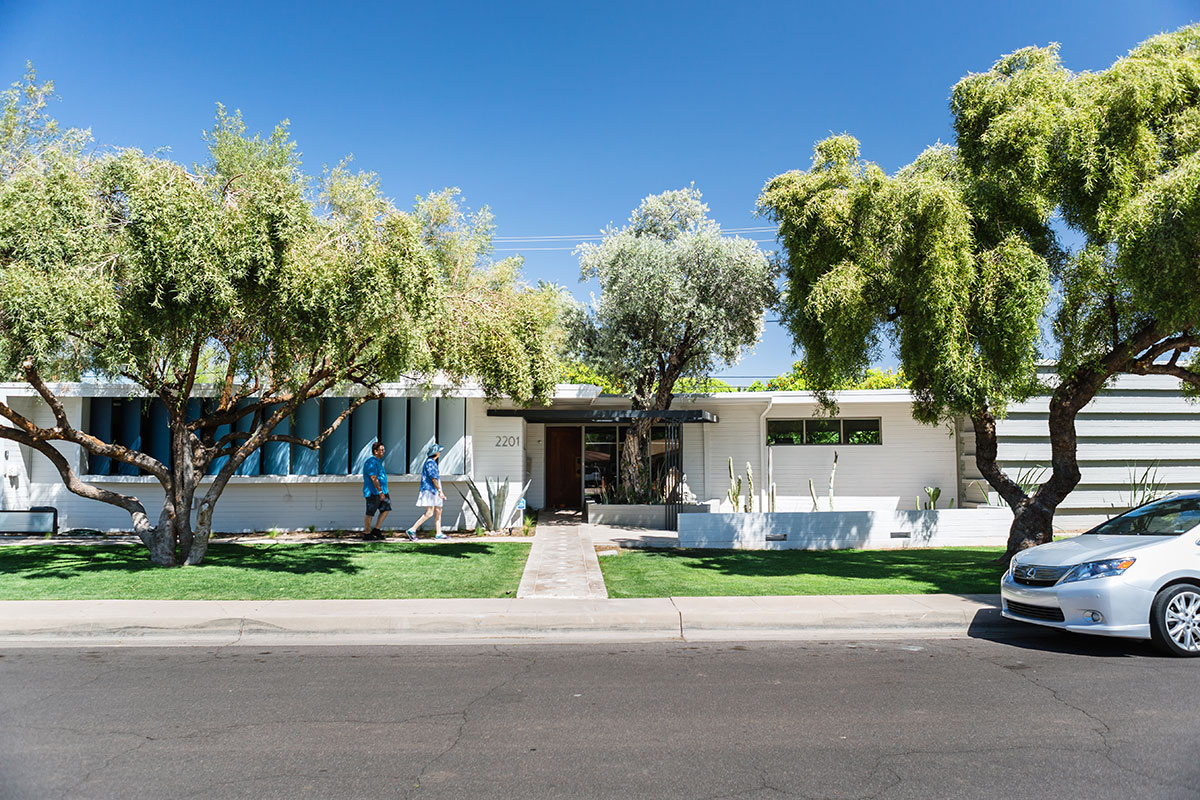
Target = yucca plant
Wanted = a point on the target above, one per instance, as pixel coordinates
(493, 511)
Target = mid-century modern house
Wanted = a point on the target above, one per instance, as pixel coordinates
(568, 453)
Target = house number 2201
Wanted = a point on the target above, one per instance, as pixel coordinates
(508, 441)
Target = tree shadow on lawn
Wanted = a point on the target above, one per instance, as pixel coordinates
(67, 561)
(947, 571)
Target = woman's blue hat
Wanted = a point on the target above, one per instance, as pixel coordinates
(433, 450)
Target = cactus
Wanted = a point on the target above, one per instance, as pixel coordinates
(832, 472)
(933, 492)
(735, 494)
(749, 488)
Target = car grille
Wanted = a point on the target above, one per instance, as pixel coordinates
(1033, 575)
(1050, 614)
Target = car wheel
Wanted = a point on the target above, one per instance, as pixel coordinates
(1175, 620)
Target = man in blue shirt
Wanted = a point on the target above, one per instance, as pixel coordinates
(375, 489)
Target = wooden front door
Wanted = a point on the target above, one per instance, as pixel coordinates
(564, 476)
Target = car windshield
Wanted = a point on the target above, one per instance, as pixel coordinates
(1170, 517)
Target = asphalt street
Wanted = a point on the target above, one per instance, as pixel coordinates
(1043, 716)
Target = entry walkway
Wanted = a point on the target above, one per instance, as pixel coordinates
(562, 562)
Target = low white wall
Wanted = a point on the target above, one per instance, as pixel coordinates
(261, 503)
(842, 530)
(627, 516)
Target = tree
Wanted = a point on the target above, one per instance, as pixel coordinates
(677, 300)
(244, 272)
(926, 258)
(797, 380)
(952, 256)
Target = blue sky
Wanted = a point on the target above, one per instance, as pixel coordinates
(559, 116)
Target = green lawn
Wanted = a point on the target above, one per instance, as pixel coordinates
(692, 573)
(275, 571)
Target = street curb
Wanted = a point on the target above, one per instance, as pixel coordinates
(150, 623)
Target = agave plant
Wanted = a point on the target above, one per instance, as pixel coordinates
(493, 511)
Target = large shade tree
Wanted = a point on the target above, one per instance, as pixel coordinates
(241, 281)
(678, 300)
(952, 256)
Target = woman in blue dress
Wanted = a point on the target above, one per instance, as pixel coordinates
(430, 496)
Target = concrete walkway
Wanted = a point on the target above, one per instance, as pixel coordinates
(562, 562)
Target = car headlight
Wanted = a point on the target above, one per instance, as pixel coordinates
(1098, 569)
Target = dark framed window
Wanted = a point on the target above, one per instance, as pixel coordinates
(824, 431)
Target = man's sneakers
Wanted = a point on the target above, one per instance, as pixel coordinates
(440, 535)
(373, 536)
(411, 534)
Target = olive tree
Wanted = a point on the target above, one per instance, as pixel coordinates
(241, 280)
(678, 300)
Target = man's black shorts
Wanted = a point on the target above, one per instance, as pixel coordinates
(378, 502)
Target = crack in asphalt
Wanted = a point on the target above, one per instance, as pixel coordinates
(763, 786)
(458, 734)
(1102, 731)
(72, 789)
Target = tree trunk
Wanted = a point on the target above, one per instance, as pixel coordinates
(1033, 524)
(633, 469)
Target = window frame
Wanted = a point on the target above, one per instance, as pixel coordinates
(804, 442)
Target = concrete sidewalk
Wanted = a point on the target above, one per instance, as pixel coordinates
(315, 622)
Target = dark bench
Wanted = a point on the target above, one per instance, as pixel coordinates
(39, 519)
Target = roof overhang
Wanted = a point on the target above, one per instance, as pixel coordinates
(554, 416)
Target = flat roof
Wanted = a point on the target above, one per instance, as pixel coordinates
(583, 415)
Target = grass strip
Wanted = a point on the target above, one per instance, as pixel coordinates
(266, 571)
(705, 573)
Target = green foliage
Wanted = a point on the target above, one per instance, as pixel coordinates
(798, 381)
(246, 272)
(26, 131)
(677, 298)
(921, 258)
(703, 386)
(578, 372)
(1118, 153)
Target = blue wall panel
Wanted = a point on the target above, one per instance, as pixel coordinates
(335, 453)
(253, 462)
(277, 456)
(393, 427)
(100, 425)
(130, 432)
(306, 423)
(158, 431)
(217, 464)
(364, 432)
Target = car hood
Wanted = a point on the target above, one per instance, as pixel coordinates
(1088, 547)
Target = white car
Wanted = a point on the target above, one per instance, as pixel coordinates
(1136, 576)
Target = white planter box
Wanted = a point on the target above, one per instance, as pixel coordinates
(841, 530)
(627, 516)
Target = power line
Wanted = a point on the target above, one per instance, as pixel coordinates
(528, 249)
(593, 236)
